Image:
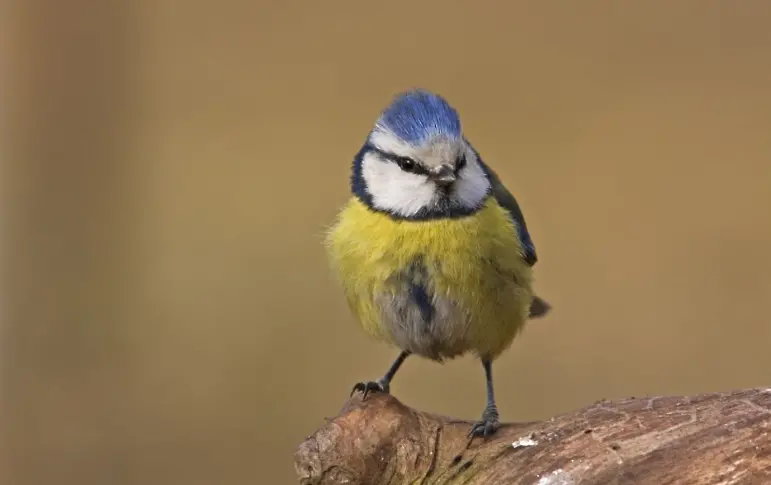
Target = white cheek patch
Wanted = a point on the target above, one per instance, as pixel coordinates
(393, 189)
(405, 193)
(472, 185)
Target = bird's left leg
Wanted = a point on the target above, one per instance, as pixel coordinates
(383, 384)
(489, 423)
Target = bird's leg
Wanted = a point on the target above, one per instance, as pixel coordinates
(383, 384)
(489, 423)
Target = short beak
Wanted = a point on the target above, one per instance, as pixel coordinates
(444, 175)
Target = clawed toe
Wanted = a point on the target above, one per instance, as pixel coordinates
(484, 428)
(370, 386)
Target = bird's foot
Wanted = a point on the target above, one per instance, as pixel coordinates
(369, 386)
(487, 426)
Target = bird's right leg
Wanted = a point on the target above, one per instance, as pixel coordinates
(489, 423)
(383, 384)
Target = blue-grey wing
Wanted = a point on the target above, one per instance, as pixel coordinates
(538, 307)
(508, 202)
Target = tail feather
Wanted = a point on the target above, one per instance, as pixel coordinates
(539, 307)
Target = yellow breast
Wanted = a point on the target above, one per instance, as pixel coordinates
(474, 269)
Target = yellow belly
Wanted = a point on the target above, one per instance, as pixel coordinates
(472, 267)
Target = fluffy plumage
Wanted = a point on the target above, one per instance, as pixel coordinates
(432, 250)
(437, 288)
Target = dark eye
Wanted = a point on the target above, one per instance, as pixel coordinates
(460, 163)
(406, 164)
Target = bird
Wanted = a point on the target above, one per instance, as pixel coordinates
(431, 250)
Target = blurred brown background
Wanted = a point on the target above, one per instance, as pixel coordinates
(170, 318)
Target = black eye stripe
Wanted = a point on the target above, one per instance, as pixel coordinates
(405, 163)
(460, 163)
(409, 165)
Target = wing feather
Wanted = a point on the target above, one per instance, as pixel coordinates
(508, 202)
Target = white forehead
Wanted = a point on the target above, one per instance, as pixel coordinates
(434, 152)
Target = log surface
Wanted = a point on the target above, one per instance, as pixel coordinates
(715, 439)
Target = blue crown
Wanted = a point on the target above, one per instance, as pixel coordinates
(417, 116)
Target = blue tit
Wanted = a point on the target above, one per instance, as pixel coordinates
(432, 251)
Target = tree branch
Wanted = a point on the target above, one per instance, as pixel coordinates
(706, 439)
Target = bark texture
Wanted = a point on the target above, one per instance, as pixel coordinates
(715, 439)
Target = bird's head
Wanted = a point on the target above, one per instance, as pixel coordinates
(417, 164)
